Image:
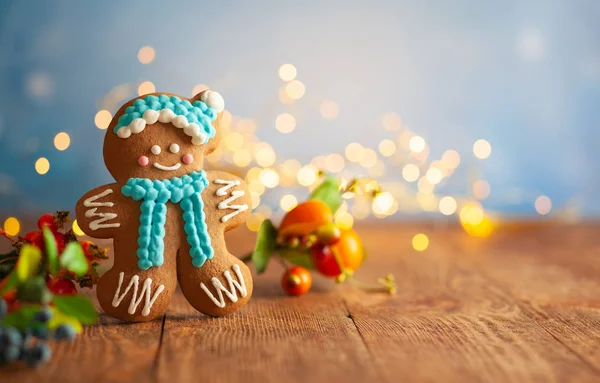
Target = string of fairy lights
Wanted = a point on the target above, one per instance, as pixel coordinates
(269, 175)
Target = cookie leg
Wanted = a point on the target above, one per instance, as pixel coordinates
(130, 294)
(221, 286)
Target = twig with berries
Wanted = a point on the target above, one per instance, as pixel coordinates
(308, 238)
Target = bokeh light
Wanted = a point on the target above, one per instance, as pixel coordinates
(447, 205)
(287, 72)
(146, 87)
(12, 226)
(334, 163)
(254, 221)
(387, 148)
(42, 165)
(329, 109)
(307, 175)
(543, 205)
(76, 229)
(411, 172)
(269, 178)
(417, 144)
(288, 202)
(420, 242)
(265, 156)
(354, 152)
(102, 119)
(344, 220)
(391, 121)
(285, 123)
(146, 55)
(295, 89)
(368, 158)
(481, 189)
(382, 203)
(482, 149)
(434, 176)
(62, 141)
(451, 159)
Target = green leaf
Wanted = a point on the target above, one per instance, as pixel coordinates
(51, 251)
(328, 192)
(76, 306)
(74, 260)
(265, 243)
(34, 290)
(12, 254)
(21, 318)
(297, 257)
(29, 261)
(11, 283)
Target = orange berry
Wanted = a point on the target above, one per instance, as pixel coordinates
(305, 218)
(348, 248)
(296, 281)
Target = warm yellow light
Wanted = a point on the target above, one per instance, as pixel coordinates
(234, 141)
(256, 187)
(425, 186)
(42, 165)
(377, 170)
(145, 88)
(482, 149)
(471, 214)
(146, 55)
(287, 72)
(417, 144)
(369, 158)
(264, 211)
(420, 242)
(391, 121)
(254, 221)
(382, 203)
(76, 229)
(434, 176)
(255, 197)
(543, 205)
(354, 152)
(451, 159)
(242, 157)
(447, 205)
(12, 226)
(283, 96)
(404, 139)
(288, 202)
(344, 220)
(410, 172)
(62, 141)
(427, 201)
(334, 163)
(387, 148)
(329, 110)
(265, 157)
(285, 123)
(360, 209)
(295, 89)
(269, 178)
(252, 174)
(102, 119)
(307, 175)
(481, 189)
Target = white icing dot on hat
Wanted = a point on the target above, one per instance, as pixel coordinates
(214, 100)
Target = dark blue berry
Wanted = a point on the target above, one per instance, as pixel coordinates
(9, 353)
(38, 354)
(3, 308)
(64, 332)
(11, 336)
(43, 316)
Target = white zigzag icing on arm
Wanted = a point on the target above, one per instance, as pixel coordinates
(146, 292)
(235, 194)
(99, 223)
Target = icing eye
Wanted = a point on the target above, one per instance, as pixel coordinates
(174, 148)
(155, 149)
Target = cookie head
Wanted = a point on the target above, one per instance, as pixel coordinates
(160, 136)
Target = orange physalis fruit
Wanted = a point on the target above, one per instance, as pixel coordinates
(305, 218)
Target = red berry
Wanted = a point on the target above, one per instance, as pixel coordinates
(324, 260)
(35, 238)
(85, 245)
(296, 281)
(47, 220)
(61, 286)
(61, 240)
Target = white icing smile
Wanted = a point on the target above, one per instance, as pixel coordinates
(162, 167)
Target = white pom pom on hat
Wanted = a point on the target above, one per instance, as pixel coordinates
(213, 99)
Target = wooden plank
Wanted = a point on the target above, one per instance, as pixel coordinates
(449, 323)
(274, 338)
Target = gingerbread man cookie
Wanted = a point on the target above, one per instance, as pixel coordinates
(166, 215)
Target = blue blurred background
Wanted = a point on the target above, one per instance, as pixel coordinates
(522, 75)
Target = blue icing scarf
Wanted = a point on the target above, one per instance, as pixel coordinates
(185, 191)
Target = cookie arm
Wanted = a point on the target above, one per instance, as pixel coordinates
(98, 211)
(229, 199)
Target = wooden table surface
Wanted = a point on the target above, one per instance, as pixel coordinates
(521, 306)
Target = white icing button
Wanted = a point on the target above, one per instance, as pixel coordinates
(155, 149)
(174, 148)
